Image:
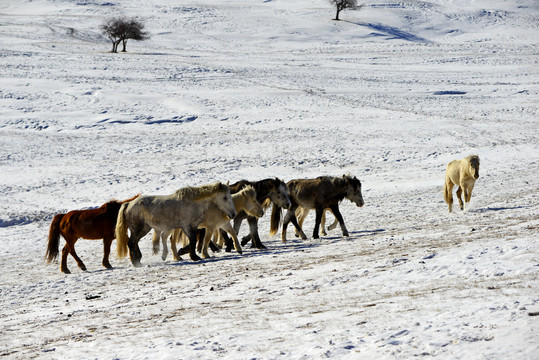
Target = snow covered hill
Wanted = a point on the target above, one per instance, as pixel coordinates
(226, 90)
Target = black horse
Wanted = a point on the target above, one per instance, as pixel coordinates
(320, 193)
(268, 191)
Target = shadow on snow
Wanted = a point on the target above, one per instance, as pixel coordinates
(389, 31)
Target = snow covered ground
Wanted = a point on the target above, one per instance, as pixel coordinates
(234, 89)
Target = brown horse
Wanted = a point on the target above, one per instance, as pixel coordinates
(320, 193)
(462, 173)
(93, 224)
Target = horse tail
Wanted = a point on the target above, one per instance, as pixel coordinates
(121, 232)
(447, 194)
(130, 199)
(54, 238)
(275, 219)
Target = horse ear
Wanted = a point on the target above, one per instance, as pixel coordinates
(228, 183)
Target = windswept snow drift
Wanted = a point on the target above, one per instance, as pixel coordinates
(226, 90)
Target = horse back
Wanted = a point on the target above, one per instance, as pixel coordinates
(89, 224)
(319, 192)
(262, 187)
(238, 186)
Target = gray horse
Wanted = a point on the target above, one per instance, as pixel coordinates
(184, 209)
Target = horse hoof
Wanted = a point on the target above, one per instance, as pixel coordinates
(195, 258)
(345, 234)
(66, 271)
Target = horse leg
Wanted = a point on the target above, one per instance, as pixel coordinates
(334, 225)
(237, 224)
(468, 195)
(459, 193)
(106, 252)
(214, 240)
(319, 213)
(448, 193)
(323, 223)
(339, 218)
(173, 239)
(63, 264)
(302, 215)
(134, 250)
(71, 249)
(227, 227)
(192, 235)
(228, 242)
(164, 237)
(204, 243)
(253, 230)
(201, 236)
(155, 241)
(297, 226)
(290, 216)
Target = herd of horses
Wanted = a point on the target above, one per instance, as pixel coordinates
(200, 217)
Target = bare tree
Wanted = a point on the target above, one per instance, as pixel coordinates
(121, 29)
(341, 5)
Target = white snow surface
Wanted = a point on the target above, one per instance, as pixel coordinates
(226, 90)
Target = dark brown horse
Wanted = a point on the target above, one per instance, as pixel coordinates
(92, 224)
(268, 191)
(321, 193)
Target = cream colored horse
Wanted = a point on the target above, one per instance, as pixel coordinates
(462, 173)
(214, 219)
(184, 209)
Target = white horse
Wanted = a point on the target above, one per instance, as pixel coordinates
(214, 219)
(462, 173)
(184, 209)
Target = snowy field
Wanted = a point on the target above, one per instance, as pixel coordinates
(226, 90)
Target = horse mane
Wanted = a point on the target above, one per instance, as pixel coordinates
(472, 159)
(248, 191)
(200, 192)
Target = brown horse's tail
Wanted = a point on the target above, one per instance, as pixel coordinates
(54, 238)
(130, 199)
(275, 219)
(121, 232)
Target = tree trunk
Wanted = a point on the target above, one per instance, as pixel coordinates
(337, 15)
(116, 43)
(124, 42)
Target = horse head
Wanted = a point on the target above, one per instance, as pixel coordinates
(474, 166)
(223, 200)
(279, 194)
(353, 191)
(252, 206)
